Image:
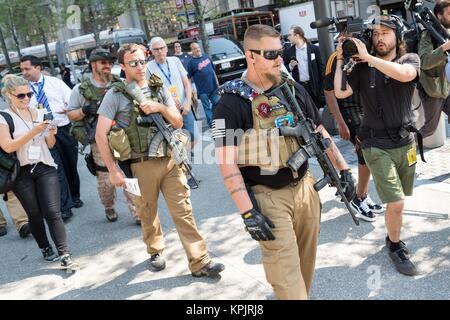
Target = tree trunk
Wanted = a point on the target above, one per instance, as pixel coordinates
(13, 32)
(47, 50)
(94, 26)
(5, 51)
(201, 25)
(141, 11)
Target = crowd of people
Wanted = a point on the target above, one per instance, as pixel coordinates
(279, 206)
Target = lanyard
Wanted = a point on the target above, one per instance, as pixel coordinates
(164, 73)
(31, 116)
(40, 87)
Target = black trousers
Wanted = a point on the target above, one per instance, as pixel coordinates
(67, 147)
(38, 192)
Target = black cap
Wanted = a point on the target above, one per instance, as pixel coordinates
(386, 21)
(101, 54)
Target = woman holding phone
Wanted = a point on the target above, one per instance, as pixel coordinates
(36, 186)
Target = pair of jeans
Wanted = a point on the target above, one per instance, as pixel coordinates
(37, 188)
(209, 100)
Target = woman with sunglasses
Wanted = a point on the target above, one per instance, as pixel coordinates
(37, 186)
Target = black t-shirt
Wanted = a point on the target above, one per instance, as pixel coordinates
(388, 105)
(233, 113)
(350, 102)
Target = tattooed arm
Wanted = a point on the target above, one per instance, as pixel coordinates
(232, 178)
(333, 152)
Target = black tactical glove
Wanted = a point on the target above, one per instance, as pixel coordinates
(258, 225)
(348, 184)
(89, 110)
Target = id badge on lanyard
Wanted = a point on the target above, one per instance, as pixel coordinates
(174, 93)
(34, 153)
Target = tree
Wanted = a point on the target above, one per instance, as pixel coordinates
(99, 15)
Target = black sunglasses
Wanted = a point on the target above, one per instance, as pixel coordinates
(269, 54)
(22, 96)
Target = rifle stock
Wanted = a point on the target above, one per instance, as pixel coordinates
(179, 153)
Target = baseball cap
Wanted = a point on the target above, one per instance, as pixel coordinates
(101, 54)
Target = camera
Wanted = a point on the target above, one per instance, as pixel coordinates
(356, 28)
(353, 27)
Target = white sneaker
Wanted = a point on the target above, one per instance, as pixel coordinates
(376, 208)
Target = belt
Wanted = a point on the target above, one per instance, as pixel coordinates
(304, 82)
(140, 159)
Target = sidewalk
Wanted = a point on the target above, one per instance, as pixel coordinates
(351, 262)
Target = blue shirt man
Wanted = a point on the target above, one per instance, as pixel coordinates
(201, 70)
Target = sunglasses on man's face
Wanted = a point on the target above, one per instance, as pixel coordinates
(22, 96)
(269, 54)
(135, 63)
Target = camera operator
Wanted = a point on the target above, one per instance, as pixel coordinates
(434, 87)
(387, 143)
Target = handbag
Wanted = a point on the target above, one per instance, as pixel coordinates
(9, 164)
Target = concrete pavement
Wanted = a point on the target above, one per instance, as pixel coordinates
(351, 263)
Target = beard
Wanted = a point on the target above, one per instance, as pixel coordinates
(105, 76)
(445, 23)
(388, 49)
(274, 78)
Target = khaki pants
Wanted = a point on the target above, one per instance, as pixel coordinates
(106, 191)
(162, 174)
(289, 260)
(18, 214)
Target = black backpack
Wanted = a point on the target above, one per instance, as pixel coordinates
(9, 164)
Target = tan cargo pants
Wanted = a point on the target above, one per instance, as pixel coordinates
(289, 260)
(18, 214)
(106, 191)
(162, 174)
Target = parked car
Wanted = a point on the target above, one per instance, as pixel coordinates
(226, 53)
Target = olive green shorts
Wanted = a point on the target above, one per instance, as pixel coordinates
(391, 172)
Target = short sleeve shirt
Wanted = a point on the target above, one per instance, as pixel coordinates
(388, 104)
(234, 113)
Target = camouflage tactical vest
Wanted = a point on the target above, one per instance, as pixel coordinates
(263, 146)
(84, 130)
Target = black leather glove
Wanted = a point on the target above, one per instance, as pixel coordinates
(348, 184)
(89, 110)
(258, 225)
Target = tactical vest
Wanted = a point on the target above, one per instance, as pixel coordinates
(141, 137)
(263, 146)
(84, 130)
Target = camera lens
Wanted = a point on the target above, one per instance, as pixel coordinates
(349, 48)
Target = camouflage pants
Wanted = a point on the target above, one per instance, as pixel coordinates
(106, 191)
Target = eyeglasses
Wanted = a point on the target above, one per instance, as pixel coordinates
(22, 96)
(135, 63)
(159, 49)
(269, 54)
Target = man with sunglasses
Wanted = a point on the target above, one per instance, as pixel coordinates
(83, 106)
(279, 206)
(53, 94)
(385, 83)
(155, 174)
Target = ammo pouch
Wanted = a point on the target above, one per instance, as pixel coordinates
(119, 144)
(79, 132)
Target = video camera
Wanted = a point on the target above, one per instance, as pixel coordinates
(352, 27)
(428, 20)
